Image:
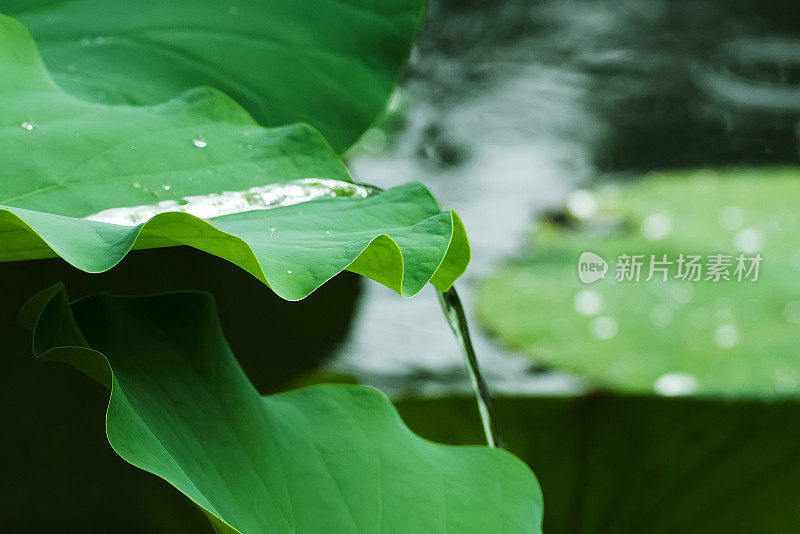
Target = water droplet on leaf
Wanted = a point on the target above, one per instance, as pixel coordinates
(726, 336)
(682, 293)
(656, 226)
(661, 315)
(791, 312)
(731, 218)
(749, 240)
(604, 327)
(588, 302)
(674, 384)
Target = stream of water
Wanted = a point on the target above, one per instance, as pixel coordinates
(457, 317)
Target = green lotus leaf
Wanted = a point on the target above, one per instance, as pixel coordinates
(675, 336)
(319, 459)
(622, 464)
(331, 64)
(65, 159)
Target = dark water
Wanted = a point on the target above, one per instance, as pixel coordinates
(507, 107)
(668, 83)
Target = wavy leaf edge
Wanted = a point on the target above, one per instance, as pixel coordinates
(174, 229)
(60, 339)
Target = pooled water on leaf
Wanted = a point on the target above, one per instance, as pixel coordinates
(200, 143)
(232, 202)
(676, 384)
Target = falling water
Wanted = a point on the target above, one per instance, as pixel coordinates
(457, 319)
(454, 312)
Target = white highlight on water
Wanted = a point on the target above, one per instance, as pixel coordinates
(582, 204)
(232, 202)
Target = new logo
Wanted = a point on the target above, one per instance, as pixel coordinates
(591, 267)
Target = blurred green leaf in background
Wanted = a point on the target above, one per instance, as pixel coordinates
(729, 337)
